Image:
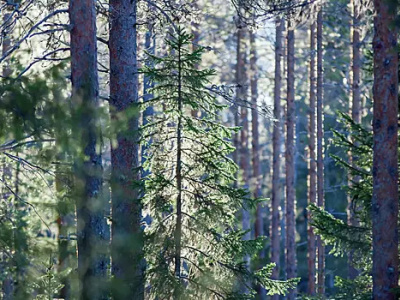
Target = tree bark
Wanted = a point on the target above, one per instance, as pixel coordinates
(127, 239)
(312, 197)
(8, 282)
(291, 265)
(320, 156)
(276, 136)
(385, 195)
(256, 168)
(93, 232)
(355, 113)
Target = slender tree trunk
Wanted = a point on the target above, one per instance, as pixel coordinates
(93, 232)
(320, 157)
(150, 46)
(276, 135)
(355, 114)
(127, 239)
(65, 223)
(178, 229)
(259, 224)
(255, 136)
(385, 196)
(291, 264)
(312, 197)
(8, 282)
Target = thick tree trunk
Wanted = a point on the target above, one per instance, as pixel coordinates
(320, 156)
(276, 136)
(385, 196)
(312, 196)
(127, 239)
(355, 112)
(93, 232)
(291, 264)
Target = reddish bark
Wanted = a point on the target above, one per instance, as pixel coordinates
(127, 240)
(320, 156)
(291, 265)
(276, 135)
(385, 194)
(312, 197)
(93, 232)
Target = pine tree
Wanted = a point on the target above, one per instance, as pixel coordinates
(192, 249)
(127, 240)
(275, 201)
(291, 263)
(385, 192)
(92, 230)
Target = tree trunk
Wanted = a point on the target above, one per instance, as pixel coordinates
(259, 224)
(312, 165)
(8, 282)
(178, 228)
(385, 195)
(93, 232)
(276, 135)
(355, 113)
(291, 267)
(127, 239)
(320, 157)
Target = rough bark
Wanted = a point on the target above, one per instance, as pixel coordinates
(276, 136)
(355, 112)
(385, 195)
(320, 156)
(127, 240)
(93, 232)
(291, 264)
(312, 196)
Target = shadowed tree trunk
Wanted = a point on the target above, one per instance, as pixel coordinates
(291, 264)
(312, 196)
(93, 232)
(320, 156)
(385, 194)
(276, 136)
(127, 239)
(355, 112)
(8, 282)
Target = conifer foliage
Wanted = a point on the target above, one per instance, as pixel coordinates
(192, 249)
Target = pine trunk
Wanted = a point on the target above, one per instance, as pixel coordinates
(291, 266)
(8, 282)
(259, 224)
(312, 197)
(127, 240)
(385, 195)
(276, 136)
(320, 157)
(93, 232)
(355, 113)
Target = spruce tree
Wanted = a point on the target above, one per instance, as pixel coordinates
(192, 248)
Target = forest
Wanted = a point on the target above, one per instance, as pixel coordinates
(199, 149)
